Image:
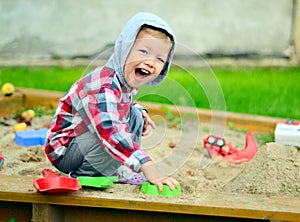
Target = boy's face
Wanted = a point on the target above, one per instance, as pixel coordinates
(146, 59)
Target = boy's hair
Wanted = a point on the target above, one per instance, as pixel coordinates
(157, 32)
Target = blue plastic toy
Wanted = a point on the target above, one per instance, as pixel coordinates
(31, 137)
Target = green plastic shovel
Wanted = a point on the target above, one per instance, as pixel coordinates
(99, 182)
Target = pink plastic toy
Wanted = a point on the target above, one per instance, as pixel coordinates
(217, 146)
(1, 161)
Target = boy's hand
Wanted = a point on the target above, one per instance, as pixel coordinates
(147, 122)
(170, 181)
(155, 177)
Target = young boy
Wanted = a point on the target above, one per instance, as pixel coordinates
(97, 127)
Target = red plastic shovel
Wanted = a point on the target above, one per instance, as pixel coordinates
(53, 183)
(246, 154)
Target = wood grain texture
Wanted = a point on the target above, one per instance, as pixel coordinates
(20, 189)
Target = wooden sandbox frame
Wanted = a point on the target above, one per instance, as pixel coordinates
(19, 200)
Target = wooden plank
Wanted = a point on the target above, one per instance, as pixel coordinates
(18, 211)
(75, 214)
(33, 97)
(20, 189)
(48, 213)
(253, 123)
(10, 104)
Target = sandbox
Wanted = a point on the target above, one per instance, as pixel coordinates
(266, 188)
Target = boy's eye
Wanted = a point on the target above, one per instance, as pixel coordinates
(161, 59)
(143, 51)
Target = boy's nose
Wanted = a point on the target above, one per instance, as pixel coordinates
(149, 62)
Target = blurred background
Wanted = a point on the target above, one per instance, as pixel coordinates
(235, 56)
(36, 29)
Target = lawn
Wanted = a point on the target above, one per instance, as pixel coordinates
(260, 91)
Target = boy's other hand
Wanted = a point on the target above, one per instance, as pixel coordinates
(147, 122)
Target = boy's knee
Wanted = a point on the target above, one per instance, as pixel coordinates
(136, 124)
(136, 116)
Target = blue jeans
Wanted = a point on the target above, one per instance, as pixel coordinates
(86, 156)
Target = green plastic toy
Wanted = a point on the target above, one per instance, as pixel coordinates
(99, 182)
(151, 189)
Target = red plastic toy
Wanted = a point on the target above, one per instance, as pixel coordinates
(217, 146)
(53, 183)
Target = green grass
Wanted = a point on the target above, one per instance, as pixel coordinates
(51, 78)
(261, 91)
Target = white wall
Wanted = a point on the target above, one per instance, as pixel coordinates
(39, 28)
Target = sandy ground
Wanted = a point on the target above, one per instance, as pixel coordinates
(275, 170)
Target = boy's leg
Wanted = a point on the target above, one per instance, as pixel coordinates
(136, 124)
(86, 156)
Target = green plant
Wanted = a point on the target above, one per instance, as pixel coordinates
(232, 126)
(172, 120)
(266, 137)
(283, 187)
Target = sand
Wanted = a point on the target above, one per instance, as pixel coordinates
(274, 171)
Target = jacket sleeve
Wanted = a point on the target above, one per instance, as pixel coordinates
(103, 114)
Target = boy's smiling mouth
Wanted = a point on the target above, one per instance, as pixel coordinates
(142, 73)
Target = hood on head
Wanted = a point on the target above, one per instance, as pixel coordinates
(126, 40)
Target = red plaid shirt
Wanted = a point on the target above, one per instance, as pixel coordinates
(97, 102)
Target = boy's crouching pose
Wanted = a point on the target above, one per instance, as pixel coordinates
(97, 127)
